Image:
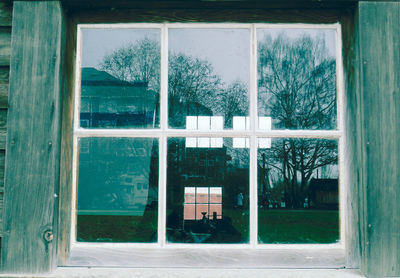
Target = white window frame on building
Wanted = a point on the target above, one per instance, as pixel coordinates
(259, 255)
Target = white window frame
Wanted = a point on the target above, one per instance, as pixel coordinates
(259, 255)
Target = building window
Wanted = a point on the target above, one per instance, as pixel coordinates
(208, 133)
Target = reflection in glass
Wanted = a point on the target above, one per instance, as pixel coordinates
(207, 193)
(298, 197)
(120, 78)
(297, 77)
(208, 75)
(202, 202)
(117, 190)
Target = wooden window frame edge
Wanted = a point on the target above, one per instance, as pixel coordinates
(334, 258)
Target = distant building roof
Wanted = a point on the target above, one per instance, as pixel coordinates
(94, 77)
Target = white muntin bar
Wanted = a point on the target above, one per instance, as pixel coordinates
(76, 123)
(77, 87)
(162, 185)
(209, 25)
(173, 246)
(253, 139)
(74, 190)
(295, 26)
(339, 79)
(154, 133)
(122, 26)
(343, 173)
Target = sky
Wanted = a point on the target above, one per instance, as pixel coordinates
(96, 43)
(329, 36)
(228, 50)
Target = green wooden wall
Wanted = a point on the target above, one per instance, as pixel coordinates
(5, 50)
(378, 118)
(33, 142)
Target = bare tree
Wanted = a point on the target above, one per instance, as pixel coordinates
(192, 87)
(232, 101)
(297, 83)
(297, 89)
(136, 62)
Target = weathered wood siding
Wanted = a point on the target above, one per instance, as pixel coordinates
(378, 136)
(371, 51)
(34, 135)
(351, 159)
(5, 50)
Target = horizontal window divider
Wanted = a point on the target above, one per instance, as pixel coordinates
(151, 133)
(334, 26)
(209, 25)
(155, 133)
(121, 25)
(171, 246)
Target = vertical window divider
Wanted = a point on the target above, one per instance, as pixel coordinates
(343, 174)
(253, 139)
(162, 184)
(74, 189)
(76, 123)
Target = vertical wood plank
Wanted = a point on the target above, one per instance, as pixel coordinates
(63, 245)
(5, 14)
(5, 45)
(351, 160)
(379, 50)
(33, 144)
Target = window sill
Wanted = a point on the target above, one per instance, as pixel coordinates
(72, 272)
(292, 257)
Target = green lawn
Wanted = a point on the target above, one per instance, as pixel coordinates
(298, 226)
(117, 228)
(274, 226)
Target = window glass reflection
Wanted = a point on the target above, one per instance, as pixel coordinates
(202, 202)
(298, 197)
(120, 78)
(297, 77)
(117, 190)
(208, 75)
(207, 193)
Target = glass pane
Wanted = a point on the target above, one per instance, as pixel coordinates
(207, 193)
(298, 197)
(117, 190)
(208, 77)
(120, 80)
(297, 78)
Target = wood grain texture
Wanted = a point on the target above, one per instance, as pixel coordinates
(5, 51)
(5, 14)
(187, 4)
(112, 256)
(3, 132)
(379, 85)
(65, 202)
(3, 96)
(33, 145)
(203, 14)
(351, 159)
(1, 207)
(4, 74)
(5, 46)
(80, 272)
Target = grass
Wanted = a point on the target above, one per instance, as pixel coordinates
(116, 228)
(298, 226)
(274, 226)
